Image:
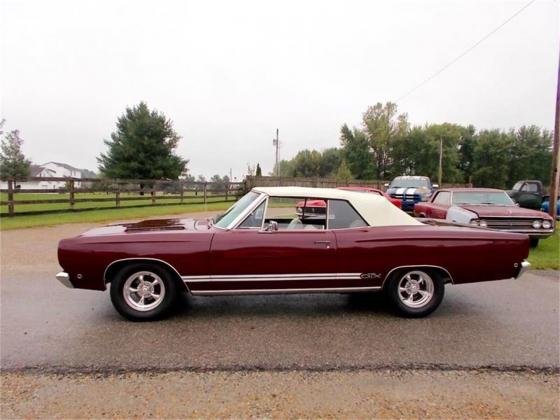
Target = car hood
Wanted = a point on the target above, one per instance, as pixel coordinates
(150, 225)
(408, 190)
(502, 211)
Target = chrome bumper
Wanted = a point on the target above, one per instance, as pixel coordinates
(64, 278)
(524, 267)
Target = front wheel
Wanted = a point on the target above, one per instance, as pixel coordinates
(416, 292)
(143, 292)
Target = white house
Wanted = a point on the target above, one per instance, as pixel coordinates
(46, 170)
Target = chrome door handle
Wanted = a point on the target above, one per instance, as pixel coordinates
(327, 243)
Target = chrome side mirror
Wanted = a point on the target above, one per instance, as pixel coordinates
(386, 184)
(272, 226)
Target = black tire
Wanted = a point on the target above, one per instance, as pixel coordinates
(423, 308)
(534, 242)
(165, 284)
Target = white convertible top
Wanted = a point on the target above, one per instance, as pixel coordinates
(375, 209)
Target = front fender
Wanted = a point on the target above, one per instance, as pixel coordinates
(456, 214)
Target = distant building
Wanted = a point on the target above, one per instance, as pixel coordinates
(47, 170)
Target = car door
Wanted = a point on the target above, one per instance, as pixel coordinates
(440, 205)
(252, 258)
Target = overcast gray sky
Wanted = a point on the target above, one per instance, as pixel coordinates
(229, 73)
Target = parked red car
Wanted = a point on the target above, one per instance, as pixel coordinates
(318, 207)
(260, 245)
(486, 207)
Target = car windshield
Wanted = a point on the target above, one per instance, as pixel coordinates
(402, 182)
(224, 220)
(496, 198)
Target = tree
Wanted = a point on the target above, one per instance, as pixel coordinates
(142, 147)
(329, 162)
(382, 127)
(306, 163)
(258, 171)
(219, 184)
(490, 159)
(356, 152)
(13, 163)
(343, 173)
(530, 154)
(466, 152)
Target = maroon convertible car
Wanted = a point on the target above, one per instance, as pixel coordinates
(361, 243)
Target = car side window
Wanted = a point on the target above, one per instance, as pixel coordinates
(443, 198)
(343, 216)
(528, 187)
(254, 219)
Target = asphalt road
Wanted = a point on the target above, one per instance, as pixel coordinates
(505, 324)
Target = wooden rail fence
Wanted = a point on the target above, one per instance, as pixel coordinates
(115, 193)
(139, 192)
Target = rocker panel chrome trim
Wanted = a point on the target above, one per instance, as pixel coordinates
(283, 291)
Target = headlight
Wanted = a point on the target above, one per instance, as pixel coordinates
(537, 224)
(482, 223)
(546, 224)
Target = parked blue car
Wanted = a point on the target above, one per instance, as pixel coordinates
(546, 203)
(411, 190)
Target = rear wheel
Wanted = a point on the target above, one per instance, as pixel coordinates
(143, 292)
(416, 292)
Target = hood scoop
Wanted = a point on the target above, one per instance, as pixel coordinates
(155, 225)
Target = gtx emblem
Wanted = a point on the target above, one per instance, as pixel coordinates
(370, 276)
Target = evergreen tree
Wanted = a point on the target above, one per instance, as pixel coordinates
(258, 171)
(142, 147)
(13, 163)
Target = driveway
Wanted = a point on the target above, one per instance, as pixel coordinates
(505, 325)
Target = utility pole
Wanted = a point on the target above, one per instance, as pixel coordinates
(276, 143)
(552, 202)
(440, 171)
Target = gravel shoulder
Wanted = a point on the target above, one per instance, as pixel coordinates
(359, 394)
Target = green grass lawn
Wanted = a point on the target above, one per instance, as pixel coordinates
(547, 254)
(106, 215)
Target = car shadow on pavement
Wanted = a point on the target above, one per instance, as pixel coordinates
(319, 305)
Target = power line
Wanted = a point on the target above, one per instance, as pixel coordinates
(465, 52)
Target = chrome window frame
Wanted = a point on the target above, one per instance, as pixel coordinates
(244, 214)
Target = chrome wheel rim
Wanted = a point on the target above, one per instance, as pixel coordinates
(416, 289)
(143, 291)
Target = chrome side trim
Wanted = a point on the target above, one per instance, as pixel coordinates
(416, 266)
(272, 277)
(141, 259)
(283, 291)
(525, 265)
(64, 278)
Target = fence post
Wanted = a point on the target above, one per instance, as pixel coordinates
(204, 191)
(227, 189)
(10, 197)
(71, 198)
(182, 186)
(153, 194)
(118, 196)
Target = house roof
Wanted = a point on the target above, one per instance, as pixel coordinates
(375, 209)
(35, 170)
(64, 165)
